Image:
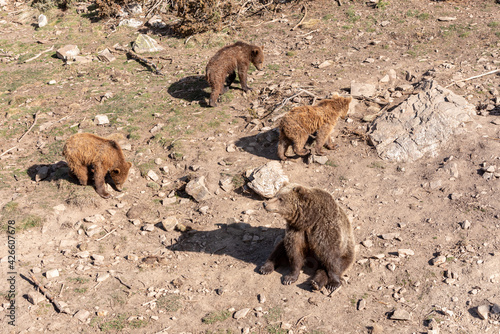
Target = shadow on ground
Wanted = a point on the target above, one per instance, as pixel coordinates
(263, 144)
(191, 88)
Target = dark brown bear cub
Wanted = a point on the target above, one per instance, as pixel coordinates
(221, 68)
(296, 126)
(102, 155)
(315, 225)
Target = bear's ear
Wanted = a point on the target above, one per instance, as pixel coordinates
(335, 94)
(129, 164)
(262, 47)
(300, 191)
(115, 171)
(255, 52)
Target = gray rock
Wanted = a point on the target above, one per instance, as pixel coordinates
(106, 56)
(420, 124)
(42, 173)
(452, 168)
(157, 22)
(148, 227)
(82, 315)
(241, 313)
(268, 179)
(68, 52)
(196, 188)
(400, 314)
(153, 176)
(389, 236)
(438, 260)
(34, 297)
(319, 159)
(367, 243)
(42, 21)
(137, 211)
(364, 90)
(133, 23)
(52, 273)
(144, 43)
(465, 224)
(101, 119)
(81, 60)
(483, 310)
(495, 309)
(405, 252)
(361, 304)
(226, 183)
(169, 223)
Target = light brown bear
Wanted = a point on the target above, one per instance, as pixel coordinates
(296, 126)
(84, 151)
(222, 67)
(317, 226)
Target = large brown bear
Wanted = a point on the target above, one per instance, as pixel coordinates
(296, 126)
(317, 226)
(222, 67)
(84, 151)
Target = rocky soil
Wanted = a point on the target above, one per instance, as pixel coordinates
(178, 250)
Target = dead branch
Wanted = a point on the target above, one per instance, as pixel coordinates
(303, 17)
(41, 53)
(123, 283)
(340, 3)
(10, 149)
(474, 77)
(104, 236)
(31, 127)
(135, 56)
(47, 294)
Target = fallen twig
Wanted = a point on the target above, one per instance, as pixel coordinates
(47, 294)
(104, 236)
(10, 149)
(41, 53)
(31, 127)
(303, 17)
(273, 20)
(151, 301)
(135, 56)
(474, 77)
(123, 283)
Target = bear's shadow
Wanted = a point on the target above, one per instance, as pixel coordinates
(191, 88)
(264, 144)
(60, 171)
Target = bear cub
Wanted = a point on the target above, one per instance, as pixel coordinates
(221, 68)
(300, 122)
(84, 151)
(317, 226)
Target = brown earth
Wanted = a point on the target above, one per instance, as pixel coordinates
(192, 281)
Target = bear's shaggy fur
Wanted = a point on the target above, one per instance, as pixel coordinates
(296, 126)
(222, 67)
(317, 226)
(84, 151)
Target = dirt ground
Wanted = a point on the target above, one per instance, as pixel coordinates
(120, 270)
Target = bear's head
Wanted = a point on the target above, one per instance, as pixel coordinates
(338, 104)
(120, 174)
(257, 57)
(288, 201)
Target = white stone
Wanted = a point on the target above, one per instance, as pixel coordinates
(52, 273)
(153, 176)
(82, 315)
(101, 119)
(60, 207)
(169, 223)
(405, 252)
(42, 21)
(241, 313)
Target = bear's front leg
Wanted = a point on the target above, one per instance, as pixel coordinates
(100, 185)
(242, 74)
(278, 255)
(295, 245)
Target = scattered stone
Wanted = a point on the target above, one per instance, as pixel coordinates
(262, 298)
(137, 211)
(34, 297)
(231, 148)
(367, 243)
(226, 183)
(319, 159)
(435, 184)
(362, 90)
(133, 23)
(169, 223)
(97, 258)
(82, 315)
(52, 273)
(42, 173)
(465, 224)
(168, 200)
(438, 260)
(391, 266)
(420, 124)
(94, 219)
(379, 256)
(204, 209)
(159, 161)
(400, 314)
(153, 176)
(102, 277)
(68, 52)
(148, 228)
(385, 23)
(132, 257)
(377, 329)
(326, 63)
(241, 313)
(390, 236)
(60, 207)
(157, 22)
(52, 82)
(196, 188)
(101, 119)
(446, 18)
(405, 252)
(83, 254)
(42, 21)
(268, 179)
(156, 128)
(483, 311)
(81, 60)
(361, 304)
(144, 43)
(452, 168)
(106, 56)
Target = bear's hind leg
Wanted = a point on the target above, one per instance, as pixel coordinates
(283, 145)
(277, 256)
(82, 173)
(229, 80)
(323, 136)
(299, 142)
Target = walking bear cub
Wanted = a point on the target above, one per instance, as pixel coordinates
(317, 226)
(296, 126)
(84, 151)
(221, 68)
